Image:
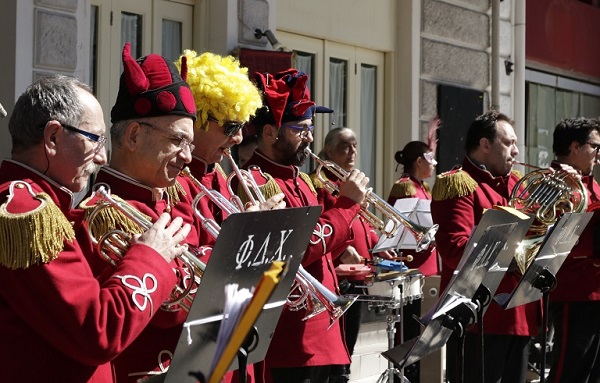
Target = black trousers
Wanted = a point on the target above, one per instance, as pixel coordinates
(576, 351)
(505, 358)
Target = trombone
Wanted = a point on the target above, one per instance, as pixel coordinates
(113, 245)
(424, 235)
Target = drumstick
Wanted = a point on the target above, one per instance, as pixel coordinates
(408, 258)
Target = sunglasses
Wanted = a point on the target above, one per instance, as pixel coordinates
(231, 127)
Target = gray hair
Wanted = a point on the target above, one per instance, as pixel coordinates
(331, 140)
(49, 98)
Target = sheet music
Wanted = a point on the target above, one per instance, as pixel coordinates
(236, 301)
(416, 210)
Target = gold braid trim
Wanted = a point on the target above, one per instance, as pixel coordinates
(517, 173)
(268, 190)
(453, 184)
(34, 237)
(219, 169)
(308, 180)
(103, 217)
(314, 178)
(403, 189)
(427, 187)
(173, 193)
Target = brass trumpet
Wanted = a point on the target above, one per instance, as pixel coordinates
(424, 235)
(316, 298)
(113, 244)
(313, 295)
(247, 182)
(546, 194)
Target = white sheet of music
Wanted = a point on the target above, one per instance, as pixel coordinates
(415, 210)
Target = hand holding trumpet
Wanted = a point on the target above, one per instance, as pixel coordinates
(165, 237)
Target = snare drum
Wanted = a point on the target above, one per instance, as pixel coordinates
(403, 288)
(412, 286)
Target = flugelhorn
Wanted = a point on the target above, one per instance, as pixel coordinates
(394, 219)
(113, 244)
(546, 194)
(247, 182)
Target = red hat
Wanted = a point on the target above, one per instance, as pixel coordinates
(151, 86)
(286, 98)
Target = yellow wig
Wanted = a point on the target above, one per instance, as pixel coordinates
(221, 88)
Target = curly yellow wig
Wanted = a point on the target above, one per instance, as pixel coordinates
(221, 88)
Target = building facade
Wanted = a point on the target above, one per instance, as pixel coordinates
(385, 66)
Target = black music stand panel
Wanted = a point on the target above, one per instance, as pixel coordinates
(497, 231)
(555, 248)
(247, 244)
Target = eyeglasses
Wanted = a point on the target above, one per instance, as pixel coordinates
(180, 142)
(594, 146)
(231, 127)
(99, 141)
(302, 129)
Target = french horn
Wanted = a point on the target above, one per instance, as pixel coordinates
(546, 194)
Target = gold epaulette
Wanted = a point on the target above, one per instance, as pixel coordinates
(517, 173)
(403, 188)
(427, 187)
(452, 184)
(173, 193)
(33, 231)
(317, 183)
(308, 181)
(219, 169)
(101, 217)
(268, 186)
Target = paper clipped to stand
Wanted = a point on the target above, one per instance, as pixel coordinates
(236, 326)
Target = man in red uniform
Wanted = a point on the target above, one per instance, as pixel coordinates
(225, 100)
(152, 136)
(341, 147)
(575, 302)
(302, 351)
(57, 322)
(460, 198)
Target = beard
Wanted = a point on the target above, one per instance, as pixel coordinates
(289, 155)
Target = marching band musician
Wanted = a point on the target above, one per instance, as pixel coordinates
(340, 147)
(58, 322)
(460, 198)
(152, 134)
(225, 99)
(418, 163)
(575, 302)
(302, 351)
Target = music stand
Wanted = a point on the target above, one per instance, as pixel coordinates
(540, 276)
(464, 296)
(247, 244)
(416, 210)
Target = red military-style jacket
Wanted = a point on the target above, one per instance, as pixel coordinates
(456, 218)
(578, 279)
(57, 321)
(364, 235)
(410, 187)
(298, 343)
(154, 348)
